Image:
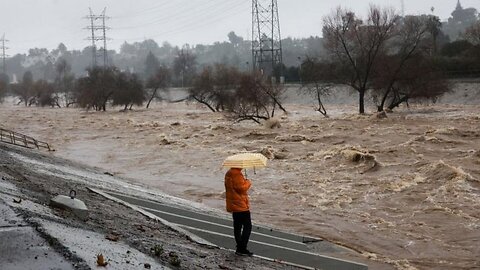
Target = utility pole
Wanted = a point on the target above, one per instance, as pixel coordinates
(266, 39)
(4, 56)
(97, 25)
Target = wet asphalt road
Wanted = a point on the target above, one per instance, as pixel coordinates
(264, 242)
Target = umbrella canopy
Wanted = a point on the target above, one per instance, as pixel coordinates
(245, 161)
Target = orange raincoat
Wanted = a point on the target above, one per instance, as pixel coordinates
(236, 187)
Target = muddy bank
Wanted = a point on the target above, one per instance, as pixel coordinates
(403, 190)
(109, 219)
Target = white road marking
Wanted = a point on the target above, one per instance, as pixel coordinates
(267, 244)
(220, 225)
(184, 227)
(192, 210)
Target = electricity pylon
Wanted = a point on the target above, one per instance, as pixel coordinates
(4, 56)
(266, 39)
(97, 24)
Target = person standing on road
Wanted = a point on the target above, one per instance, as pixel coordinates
(236, 187)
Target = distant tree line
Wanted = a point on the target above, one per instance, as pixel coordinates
(386, 57)
(240, 95)
(102, 86)
(183, 61)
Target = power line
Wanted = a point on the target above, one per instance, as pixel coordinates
(210, 21)
(145, 11)
(97, 24)
(4, 56)
(181, 13)
(210, 15)
(188, 24)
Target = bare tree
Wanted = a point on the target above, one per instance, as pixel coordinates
(95, 90)
(275, 91)
(44, 94)
(203, 87)
(419, 80)
(24, 90)
(255, 99)
(64, 81)
(405, 46)
(214, 86)
(184, 66)
(317, 77)
(241, 96)
(160, 80)
(226, 80)
(249, 102)
(128, 91)
(356, 44)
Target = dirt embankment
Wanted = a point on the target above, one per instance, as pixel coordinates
(116, 222)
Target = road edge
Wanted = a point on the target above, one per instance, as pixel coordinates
(188, 234)
(176, 228)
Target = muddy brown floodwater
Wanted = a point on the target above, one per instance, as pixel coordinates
(403, 190)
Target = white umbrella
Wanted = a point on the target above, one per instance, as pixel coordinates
(245, 161)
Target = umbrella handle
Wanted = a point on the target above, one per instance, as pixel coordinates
(254, 172)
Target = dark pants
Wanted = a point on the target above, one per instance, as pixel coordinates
(242, 227)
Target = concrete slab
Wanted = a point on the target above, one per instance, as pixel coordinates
(75, 205)
(87, 244)
(21, 248)
(8, 218)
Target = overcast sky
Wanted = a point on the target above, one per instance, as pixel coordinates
(46, 23)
